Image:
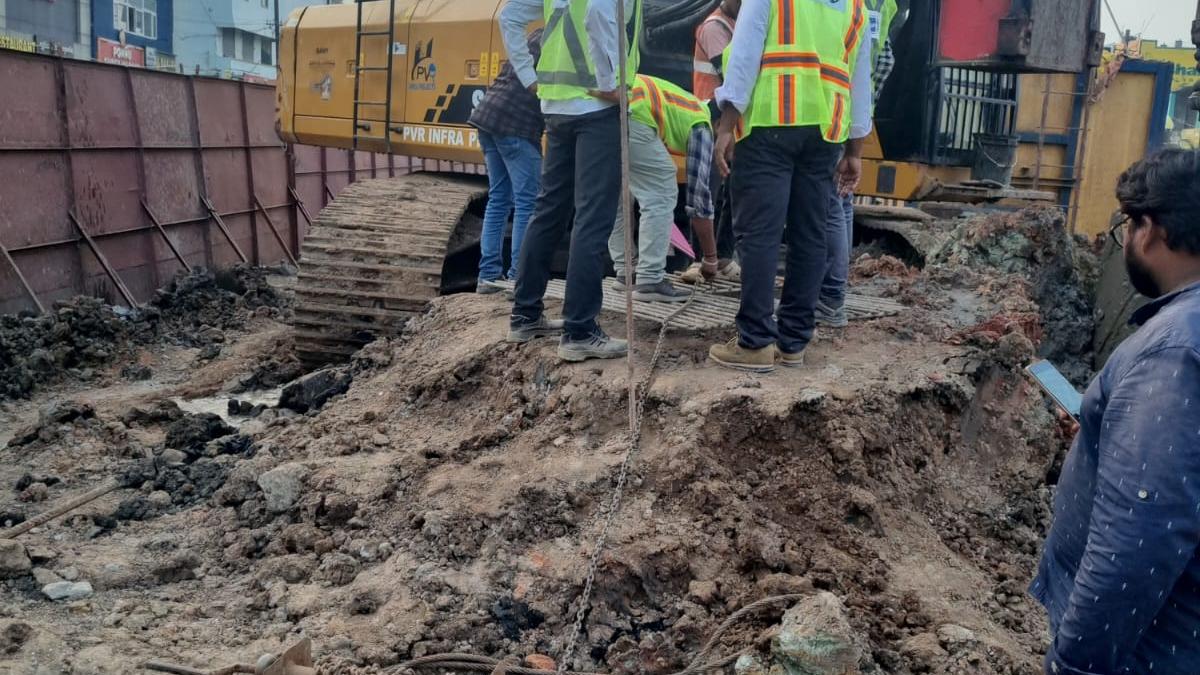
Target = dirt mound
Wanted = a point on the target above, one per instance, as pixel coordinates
(449, 500)
(80, 337)
(1060, 273)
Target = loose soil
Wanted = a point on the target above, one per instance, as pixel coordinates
(448, 501)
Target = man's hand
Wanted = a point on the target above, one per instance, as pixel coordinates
(724, 151)
(613, 96)
(533, 88)
(709, 268)
(847, 175)
(725, 138)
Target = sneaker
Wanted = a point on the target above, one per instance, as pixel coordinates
(830, 317)
(662, 291)
(487, 287)
(791, 360)
(618, 283)
(733, 355)
(730, 271)
(692, 275)
(727, 270)
(543, 327)
(595, 346)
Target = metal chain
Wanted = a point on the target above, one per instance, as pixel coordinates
(614, 504)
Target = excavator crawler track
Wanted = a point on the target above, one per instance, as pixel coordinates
(376, 256)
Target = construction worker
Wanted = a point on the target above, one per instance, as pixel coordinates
(509, 120)
(665, 120)
(797, 88)
(576, 79)
(831, 306)
(713, 36)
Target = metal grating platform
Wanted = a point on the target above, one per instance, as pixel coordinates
(715, 308)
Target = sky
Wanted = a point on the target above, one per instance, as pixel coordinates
(1162, 20)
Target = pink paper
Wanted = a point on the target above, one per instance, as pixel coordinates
(681, 243)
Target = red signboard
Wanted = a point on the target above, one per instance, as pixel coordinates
(108, 51)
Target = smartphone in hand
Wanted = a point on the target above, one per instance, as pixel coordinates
(1057, 386)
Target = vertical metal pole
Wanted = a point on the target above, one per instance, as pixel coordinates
(626, 206)
(201, 179)
(250, 197)
(151, 254)
(1041, 146)
(60, 73)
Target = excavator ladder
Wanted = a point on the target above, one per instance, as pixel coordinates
(362, 67)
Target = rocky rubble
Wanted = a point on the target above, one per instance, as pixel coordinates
(82, 337)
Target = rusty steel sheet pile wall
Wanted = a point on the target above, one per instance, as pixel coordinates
(108, 173)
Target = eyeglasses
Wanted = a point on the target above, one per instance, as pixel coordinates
(1117, 226)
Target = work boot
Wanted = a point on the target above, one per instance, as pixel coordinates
(662, 291)
(487, 287)
(830, 317)
(734, 355)
(791, 360)
(543, 327)
(595, 346)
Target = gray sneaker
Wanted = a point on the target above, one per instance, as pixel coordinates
(526, 332)
(663, 291)
(618, 283)
(595, 346)
(487, 288)
(830, 317)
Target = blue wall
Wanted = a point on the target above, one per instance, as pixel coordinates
(102, 27)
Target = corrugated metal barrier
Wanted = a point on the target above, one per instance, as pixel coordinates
(112, 179)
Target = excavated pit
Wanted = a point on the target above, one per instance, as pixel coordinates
(449, 499)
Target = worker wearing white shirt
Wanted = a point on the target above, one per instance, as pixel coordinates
(576, 79)
(797, 92)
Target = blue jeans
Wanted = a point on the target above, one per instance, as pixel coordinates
(514, 167)
(839, 239)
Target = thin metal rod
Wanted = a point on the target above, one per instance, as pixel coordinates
(140, 228)
(626, 212)
(158, 224)
(296, 200)
(224, 230)
(24, 282)
(61, 509)
(108, 269)
(1041, 145)
(275, 231)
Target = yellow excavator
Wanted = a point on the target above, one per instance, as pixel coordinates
(402, 77)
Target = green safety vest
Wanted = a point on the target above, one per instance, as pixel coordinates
(807, 62)
(879, 23)
(565, 70)
(668, 109)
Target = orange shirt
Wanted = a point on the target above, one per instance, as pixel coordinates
(713, 35)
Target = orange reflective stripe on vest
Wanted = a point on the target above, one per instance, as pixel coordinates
(835, 129)
(856, 24)
(787, 21)
(788, 60)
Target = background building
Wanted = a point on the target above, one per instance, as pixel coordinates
(61, 27)
(230, 38)
(134, 33)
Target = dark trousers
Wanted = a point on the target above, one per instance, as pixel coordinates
(781, 181)
(723, 223)
(582, 170)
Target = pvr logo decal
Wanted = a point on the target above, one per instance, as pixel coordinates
(423, 76)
